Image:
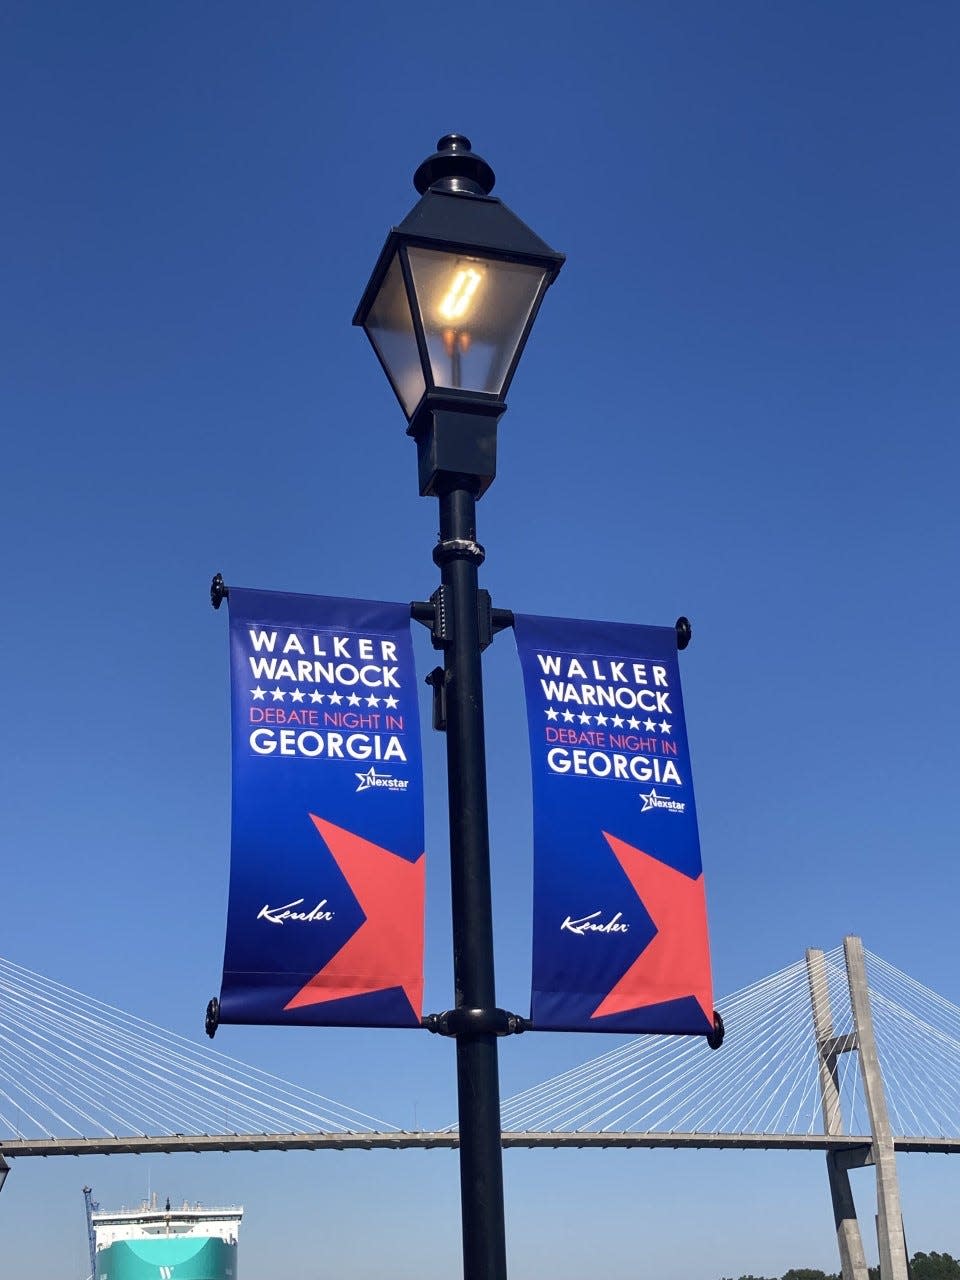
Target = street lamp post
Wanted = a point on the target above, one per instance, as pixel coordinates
(448, 309)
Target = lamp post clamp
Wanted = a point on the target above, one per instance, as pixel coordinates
(476, 1022)
(439, 634)
(435, 613)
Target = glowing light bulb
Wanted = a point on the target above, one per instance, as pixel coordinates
(457, 301)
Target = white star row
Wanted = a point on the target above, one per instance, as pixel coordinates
(335, 699)
(618, 722)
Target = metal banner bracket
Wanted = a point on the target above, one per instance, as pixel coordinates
(212, 1019)
(476, 1022)
(437, 682)
(435, 614)
(219, 591)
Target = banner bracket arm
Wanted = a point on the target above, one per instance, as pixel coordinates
(433, 613)
(425, 612)
(501, 619)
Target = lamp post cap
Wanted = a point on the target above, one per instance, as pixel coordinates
(455, 167)
(454, 142)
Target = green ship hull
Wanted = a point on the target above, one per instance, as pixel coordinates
(168, 1259)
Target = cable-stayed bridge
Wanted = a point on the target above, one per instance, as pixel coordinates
(764, 1087)
(78, 1074)
(840, 1052)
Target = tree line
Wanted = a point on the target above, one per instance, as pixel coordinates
(922, 1266)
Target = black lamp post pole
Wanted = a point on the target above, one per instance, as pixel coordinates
(478, 1088)
(416, 305)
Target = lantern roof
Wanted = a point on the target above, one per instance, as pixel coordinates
(456, 212)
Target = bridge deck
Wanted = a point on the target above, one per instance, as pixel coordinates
(12, 1148)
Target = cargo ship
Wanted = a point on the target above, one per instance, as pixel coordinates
(153, 1243)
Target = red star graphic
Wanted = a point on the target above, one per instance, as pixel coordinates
(676, 962)
(387, 949)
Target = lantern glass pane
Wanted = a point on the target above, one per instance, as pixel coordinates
(389, 326)
(475, 313)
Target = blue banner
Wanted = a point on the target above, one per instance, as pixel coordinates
(325, 919)
(620, 930)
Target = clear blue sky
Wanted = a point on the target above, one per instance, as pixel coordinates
(740, 402)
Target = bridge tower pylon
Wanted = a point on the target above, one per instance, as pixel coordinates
(881, 1153)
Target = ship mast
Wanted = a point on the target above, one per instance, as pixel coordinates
(91, 1207)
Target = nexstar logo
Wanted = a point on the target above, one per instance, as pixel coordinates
(652, 801)
(382, 781)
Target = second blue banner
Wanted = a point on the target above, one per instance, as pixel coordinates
(620, 929)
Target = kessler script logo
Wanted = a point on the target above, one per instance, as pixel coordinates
(591, 924)
(279, 915)
(652, 801)
(382, 781)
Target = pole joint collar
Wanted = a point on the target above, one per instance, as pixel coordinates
(458, 549)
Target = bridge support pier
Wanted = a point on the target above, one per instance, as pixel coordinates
(853, 1262)
(881, 1153)
(890, 1237)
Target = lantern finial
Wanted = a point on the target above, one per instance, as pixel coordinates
(455, 167)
